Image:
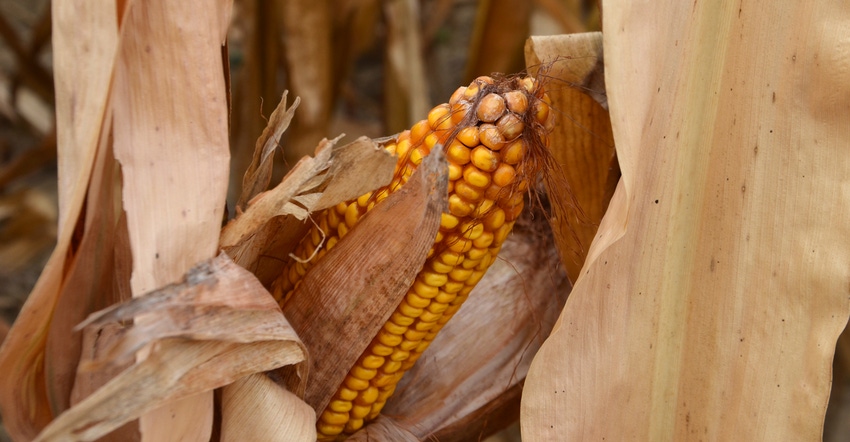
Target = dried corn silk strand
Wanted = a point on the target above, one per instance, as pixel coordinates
(494, 134)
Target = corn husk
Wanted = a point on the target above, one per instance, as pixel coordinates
(715, 289)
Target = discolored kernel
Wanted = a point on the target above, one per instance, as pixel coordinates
(491, 136)
(490, 108)
(516, 101)
(485, 159)
(504, 175)
(510, 126)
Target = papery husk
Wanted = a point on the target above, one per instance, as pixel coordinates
(581, 142)
(215, 327)
(467, 384)
(352, 291)
(713, 294)
(256, 408)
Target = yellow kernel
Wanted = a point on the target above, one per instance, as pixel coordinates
(342, 230)
(455, 171)
(484, 79)
(382, 350)
(504, 175)
(541, 111)
(339, 406)
(490, 108)
(457, 153)
(394, 328)
(416, 301)
(448, 221)
(425, 290)
(390, 367)
(458, 244)
(439, 117)
(403, 148)
(331, 242)
(384, 378)
(468, 136)
(433, 279)
(458, 274)
(483, 208)
(440, 267)
(485, 159)
(437, 239)
(353, 425)
(416, 155)
(502, 232)
(516, 101)
(384, 395)
(494, 192)
(363, 200)
(325, 429)
(333, 218)
(437, 308)
(428, 317)
(418, 132)
(459, 112)
(414, 335)
(442, 298)
(475, 254)
(355, 383)
(476, 177)
(360, 411)
(529, 84)
(510, 126)
(458, 206)
(346, 394)
(475, 277)
(407, 310)
(491, 137)
(467, 192)
(424, 326)
(388, 339)
(471, 264)
(451, 258)
(399, 355)
(408, 344)
(471, 90)
(367, 396)
(351, 215)
(371, 361)
(451, 287)
(483, 241)
(457, 95)
(400, 319)
(471, 230)
(430, 141)
(514, 152)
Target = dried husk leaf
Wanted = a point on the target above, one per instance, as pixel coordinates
(83, 61)
(215, 327)
(465, 387)
(581, 142)
(347, 296)
(265, 233)
(383, 428)
(713, 295)
(256, 408)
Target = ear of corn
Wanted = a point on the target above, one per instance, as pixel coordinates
(493, 134)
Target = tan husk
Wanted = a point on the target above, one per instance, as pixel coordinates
(352, 291)
(713, 294)
(215, 327)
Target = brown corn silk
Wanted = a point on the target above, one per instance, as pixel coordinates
(493, 134)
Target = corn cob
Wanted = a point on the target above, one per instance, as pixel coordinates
(494, 135)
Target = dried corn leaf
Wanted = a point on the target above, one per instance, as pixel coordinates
(215, 327)
(83, 61)
(383, 428)
(463, 382)
(259, 172)
(405, 83)
(264, 234)
(344, 300)
(501, 28)
(713, 295)
(581, 142)
(256, 408)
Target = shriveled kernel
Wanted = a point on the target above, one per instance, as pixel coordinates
(476, 177)
(448, 221)
(394, 328)
(458, 206)
(516, 101)
(388, 339)
(504, 175)
(339, 406)
(514, 152)
(458, 274)
(491, 136)
(490, 108)
(433, 279)
(485, 159)
(416, 301)
(457, 153)
(356, 383)
(360, 411)
(425, 290)
(455, 171)
(468, 192)
(510, 126)
(468, 136)
(367, 396)
(483, 241)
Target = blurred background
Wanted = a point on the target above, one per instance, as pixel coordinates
(360, 67)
